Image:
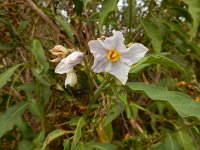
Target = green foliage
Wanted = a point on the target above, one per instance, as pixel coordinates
(193, 8)
(52, 136)
(77, 134)
(157, 109)
(66, 26)
(5, 76)
(183, 104)
(38, 52)
(156, 59)
(154, 34)
(168, 143)
(11, 117)
(107, 7)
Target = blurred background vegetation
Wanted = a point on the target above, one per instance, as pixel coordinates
(36, 108)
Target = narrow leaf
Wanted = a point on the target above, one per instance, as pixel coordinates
(169, 143)
(5, 76)
(154, 34)
(104, 146)
(77, 134)
(185, 139)
(52, 136)
(107, 7)
(194, 10)
(66, 26)
(112, 114)
(38, 52)
(183, 104)
(157, 59)
(10, 118)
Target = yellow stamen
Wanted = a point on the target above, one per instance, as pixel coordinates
(113, 55)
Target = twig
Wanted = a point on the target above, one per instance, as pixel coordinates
(33, 6)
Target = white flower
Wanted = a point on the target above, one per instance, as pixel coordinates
(67, 64)
(111, 55)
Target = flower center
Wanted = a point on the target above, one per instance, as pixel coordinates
(113, 55)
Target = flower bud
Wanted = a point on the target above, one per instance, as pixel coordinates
(60, 52)
(71, 79)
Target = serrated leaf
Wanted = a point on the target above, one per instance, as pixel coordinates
(194, 10)
(66, 26)
(184, 105)
(10, 117)
(5, 76)
(156, 59)
(107, 7)
(154, 34)
(38, 52)
(77, 134)
(52, 136)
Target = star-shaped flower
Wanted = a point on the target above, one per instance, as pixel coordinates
(67, 64)
(111, 55)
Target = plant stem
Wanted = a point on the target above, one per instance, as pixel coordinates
(94, 97)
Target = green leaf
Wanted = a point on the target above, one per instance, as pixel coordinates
(52, 136)
(169, 143)
(107, 7)
(78, 6)
(45, 94)
(25, 145)
(123, 98)
(153, 33)
(194, 10)
(174, 27)
(6, 46)
(183, 104)
(35, 108)
(103, 146)
(38, 140)
(66, 144)
(10, 117)
(77, 134)
(42, 78)
(156, 59)
(113, 112)
(5, 76)
(66, 26)
(185, 139)
(38, 52)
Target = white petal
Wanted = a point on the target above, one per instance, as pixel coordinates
(135, 52)
(120, 71)
(63, 66)
(102, 65)
(115, 42)
(69, 62)
(71, 79)
(97, 48)
(117, 69)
